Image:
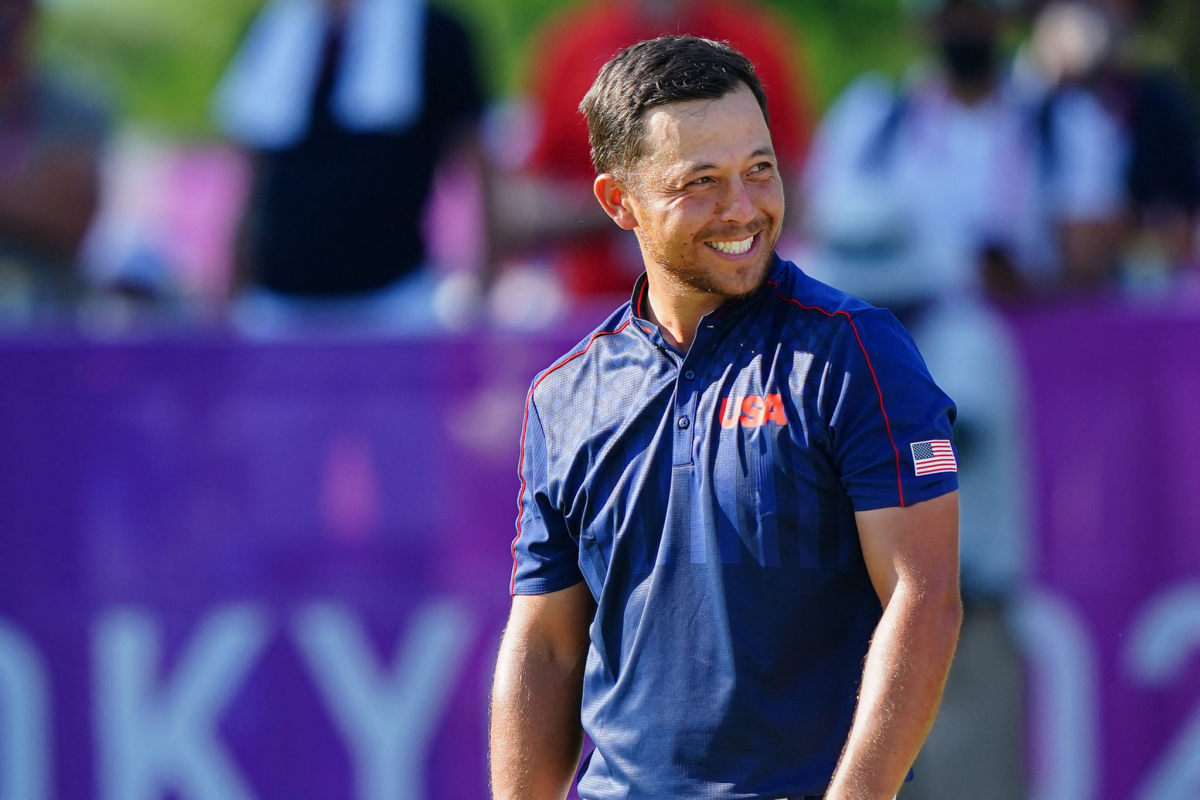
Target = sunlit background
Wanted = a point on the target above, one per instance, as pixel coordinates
(263, 361)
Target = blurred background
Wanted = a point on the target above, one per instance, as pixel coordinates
(275, 277)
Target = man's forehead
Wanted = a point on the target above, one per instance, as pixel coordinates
(696, 130)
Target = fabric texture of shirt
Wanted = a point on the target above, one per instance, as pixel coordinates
(707, 499)
(576, 46)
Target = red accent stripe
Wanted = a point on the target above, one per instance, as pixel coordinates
(886, 424)
(512, 585)
(641, 296)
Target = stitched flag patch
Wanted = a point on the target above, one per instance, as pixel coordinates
(933, 456)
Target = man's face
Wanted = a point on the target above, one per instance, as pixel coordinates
(707, 195)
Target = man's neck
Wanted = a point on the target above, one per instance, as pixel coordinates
(677, 309)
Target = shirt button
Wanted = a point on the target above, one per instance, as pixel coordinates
(684, 422)
(689, 375)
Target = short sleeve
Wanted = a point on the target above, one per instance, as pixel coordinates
(545, 555)
(889, 423)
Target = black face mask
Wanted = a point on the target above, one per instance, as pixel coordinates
(969, 59)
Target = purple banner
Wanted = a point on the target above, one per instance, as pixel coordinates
(232, 571)
(1112, 632)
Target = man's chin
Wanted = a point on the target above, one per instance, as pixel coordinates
(748, 280)
(716, 276)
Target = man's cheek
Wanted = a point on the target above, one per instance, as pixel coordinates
(768, 196)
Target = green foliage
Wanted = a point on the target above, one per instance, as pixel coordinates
(162, 57)
(845, 39)
(840, 40)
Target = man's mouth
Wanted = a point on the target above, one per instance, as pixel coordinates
(734, 248)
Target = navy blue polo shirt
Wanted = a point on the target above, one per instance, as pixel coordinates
(708, 499)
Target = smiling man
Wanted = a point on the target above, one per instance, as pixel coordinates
(736, 552)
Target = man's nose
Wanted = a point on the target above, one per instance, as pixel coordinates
(736, 205)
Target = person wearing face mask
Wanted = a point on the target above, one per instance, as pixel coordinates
(1089, 44)
(999, 185)
(964, 185)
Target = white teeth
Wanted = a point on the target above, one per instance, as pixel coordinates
(733, 248)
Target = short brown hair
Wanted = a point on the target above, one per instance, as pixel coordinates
(656, 72)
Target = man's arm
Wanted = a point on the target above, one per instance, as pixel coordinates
(536, 736)
(912, 556)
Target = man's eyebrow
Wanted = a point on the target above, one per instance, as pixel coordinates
(691, 169)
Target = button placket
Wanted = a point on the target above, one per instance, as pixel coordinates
(687, 395)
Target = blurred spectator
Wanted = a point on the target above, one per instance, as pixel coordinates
(348, 107)
(50, 142)
(966, 179)
(1085, 43)
(555, 204)
(964, 183)
(159, 252)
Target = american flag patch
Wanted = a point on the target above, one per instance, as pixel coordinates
(933, 456)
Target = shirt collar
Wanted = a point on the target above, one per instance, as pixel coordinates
(638, 300)
(729, 311)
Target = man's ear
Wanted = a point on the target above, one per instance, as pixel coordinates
(616, 200)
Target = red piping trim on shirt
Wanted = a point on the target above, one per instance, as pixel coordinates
(512, 585)
(886, 424)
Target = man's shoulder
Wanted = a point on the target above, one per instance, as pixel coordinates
(554, 379)
(804, 295)
(845, 323)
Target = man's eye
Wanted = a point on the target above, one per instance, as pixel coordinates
(700, 181)
(763, 167)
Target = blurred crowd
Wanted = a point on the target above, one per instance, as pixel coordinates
(366, 186)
